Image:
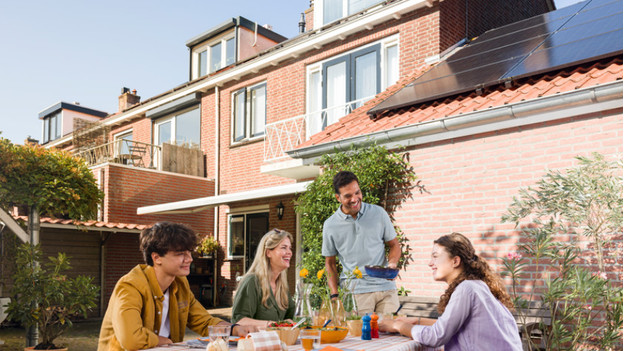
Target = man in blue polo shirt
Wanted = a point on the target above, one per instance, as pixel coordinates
(356, 233)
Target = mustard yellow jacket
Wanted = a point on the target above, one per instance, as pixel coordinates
(132, 318)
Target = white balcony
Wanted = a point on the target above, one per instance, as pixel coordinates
(287, 134)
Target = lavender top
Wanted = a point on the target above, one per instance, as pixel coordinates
(473, 320)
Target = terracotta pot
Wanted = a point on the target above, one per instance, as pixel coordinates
(32, 348)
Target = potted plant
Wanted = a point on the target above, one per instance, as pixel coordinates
(207, 246)
(43, 296)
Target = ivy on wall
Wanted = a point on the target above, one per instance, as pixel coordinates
(386, 179)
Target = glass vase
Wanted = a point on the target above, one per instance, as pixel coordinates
(303, 308)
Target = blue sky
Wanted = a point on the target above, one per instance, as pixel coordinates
(86, 51)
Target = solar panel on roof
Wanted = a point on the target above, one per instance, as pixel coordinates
(583, 32)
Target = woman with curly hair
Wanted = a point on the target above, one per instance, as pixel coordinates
(474, 308)
(262, 296)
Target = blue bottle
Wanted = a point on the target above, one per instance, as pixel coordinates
(366, 327)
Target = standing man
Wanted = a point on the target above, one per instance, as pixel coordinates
(356, 233)
(152, 305)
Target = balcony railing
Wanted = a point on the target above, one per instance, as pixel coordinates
(285, 135)
(127, 152)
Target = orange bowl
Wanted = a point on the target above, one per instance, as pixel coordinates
(331, 335)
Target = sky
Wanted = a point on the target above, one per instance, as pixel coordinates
(86, 51)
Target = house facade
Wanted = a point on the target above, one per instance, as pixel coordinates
(216, 152)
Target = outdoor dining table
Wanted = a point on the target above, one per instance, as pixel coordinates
(386, 342)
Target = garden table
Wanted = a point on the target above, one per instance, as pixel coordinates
(386, 342)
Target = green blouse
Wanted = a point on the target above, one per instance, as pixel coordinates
(248, 303)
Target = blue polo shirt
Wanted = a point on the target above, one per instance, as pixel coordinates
(360, 242)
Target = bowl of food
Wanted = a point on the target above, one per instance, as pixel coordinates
(381, 272)
(331, 335)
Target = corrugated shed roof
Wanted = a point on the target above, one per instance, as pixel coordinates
(359, 122)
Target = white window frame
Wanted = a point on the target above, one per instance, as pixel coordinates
(119, 136)
(208, 47)
(317, 66)
(159, 121)
(248, 116)
(319, 8)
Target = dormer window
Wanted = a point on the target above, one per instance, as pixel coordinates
(216, 55)
(333, 10)
(52, 127)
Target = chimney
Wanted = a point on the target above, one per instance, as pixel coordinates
(302, 23)
(128, 99)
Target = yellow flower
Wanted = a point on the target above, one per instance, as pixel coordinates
(320, 273)
(303, 273)
(357, 273)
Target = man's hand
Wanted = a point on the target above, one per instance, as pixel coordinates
(164, 341)
(243, 330)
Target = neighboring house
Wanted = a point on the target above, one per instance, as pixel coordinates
(252, 97)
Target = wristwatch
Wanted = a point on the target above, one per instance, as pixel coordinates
(333, 296)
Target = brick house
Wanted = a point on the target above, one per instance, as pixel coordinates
(254, 101)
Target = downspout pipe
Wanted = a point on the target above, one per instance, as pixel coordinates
(547, 108)
(217, 187)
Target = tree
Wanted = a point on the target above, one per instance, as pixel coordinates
(48, 181)
(585, 200)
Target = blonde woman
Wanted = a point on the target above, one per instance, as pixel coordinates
(263, 295)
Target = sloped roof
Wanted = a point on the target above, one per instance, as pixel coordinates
(360, 123)
(90, 224)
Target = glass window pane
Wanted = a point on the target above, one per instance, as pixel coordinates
(187, 128)
(258, 110)
(230, 52)
(237, 236)
(59, 129)
(315, 122)
(392, 65)
(336, 92)
(332, 10)
(239, 115)
(215, 57)
(202, 63)
(46, 124)
(53, 127)
(365, 76)
(359, 5)
(122, 147)
(164, 133)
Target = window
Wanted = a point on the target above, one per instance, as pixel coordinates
(249, 112)
(52, 127)
(335, 9)
(245, 232)
(340, 84)
(124, 140)
(202, 63)
(181, 129)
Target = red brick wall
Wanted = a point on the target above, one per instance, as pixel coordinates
(472, 182)
(128, 188)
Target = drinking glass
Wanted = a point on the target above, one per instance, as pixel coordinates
(219, 332)
(310, 339)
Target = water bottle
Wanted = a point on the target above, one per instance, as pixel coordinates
(366, 327)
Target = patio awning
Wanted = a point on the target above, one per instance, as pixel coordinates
(200, 204)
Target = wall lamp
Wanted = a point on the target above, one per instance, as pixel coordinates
(280, 210)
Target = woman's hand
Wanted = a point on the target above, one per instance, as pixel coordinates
(243, 330)
(387, 325)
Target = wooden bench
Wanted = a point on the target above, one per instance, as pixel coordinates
(419, 306)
